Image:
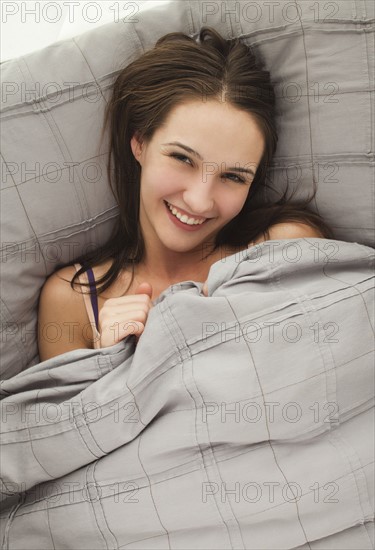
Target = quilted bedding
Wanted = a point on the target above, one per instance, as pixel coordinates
(240, 420)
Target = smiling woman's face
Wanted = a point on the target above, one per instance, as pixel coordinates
(211, 184)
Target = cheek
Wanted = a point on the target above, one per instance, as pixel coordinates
(154, 180)
(233, 203)
(165, 181)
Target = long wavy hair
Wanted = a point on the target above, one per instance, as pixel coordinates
(177, 69)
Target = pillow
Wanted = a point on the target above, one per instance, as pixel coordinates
(56, 201)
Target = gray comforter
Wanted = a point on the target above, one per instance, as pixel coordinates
(240, 420)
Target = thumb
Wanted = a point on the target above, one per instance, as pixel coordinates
(144, 288)
(205, 289)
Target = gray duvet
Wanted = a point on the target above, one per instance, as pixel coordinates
(240, 420)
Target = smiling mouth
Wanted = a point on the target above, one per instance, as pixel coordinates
(184, 218)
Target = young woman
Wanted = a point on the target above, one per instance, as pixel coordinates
(192, 133)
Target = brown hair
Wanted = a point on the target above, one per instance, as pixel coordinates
(177, 69)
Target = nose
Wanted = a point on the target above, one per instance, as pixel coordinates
(198, 198)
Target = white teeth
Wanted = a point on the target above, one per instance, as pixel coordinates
(183, 217)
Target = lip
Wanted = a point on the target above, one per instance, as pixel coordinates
(182, 225)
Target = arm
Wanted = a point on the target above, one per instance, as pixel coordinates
(62, 319)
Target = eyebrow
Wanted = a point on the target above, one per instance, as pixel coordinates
(196, 154)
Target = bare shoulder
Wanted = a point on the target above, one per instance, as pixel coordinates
(62, 316)
(293, 230)
(289, 230)
(58, 284)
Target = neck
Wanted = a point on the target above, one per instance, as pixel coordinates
(174, 267)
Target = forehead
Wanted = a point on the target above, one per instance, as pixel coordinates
(213, 111)
(214, 129)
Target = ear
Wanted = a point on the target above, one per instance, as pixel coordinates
(136, 144)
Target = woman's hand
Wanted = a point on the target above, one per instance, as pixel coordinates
(205, 289)
(126, 315)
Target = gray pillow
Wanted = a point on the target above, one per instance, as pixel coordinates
(56, 201)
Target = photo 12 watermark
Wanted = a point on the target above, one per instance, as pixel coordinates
(40, 252)
(270, 412)
(70, 412)
(49, 94)
(55, 12)
(269, 492)
(270, 332)
(267, 11)
(65, 492)
(86, 172)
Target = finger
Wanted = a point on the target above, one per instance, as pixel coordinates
(118, 311)
(125, 301)
(144, 288)
(130, 328)
(205, 289)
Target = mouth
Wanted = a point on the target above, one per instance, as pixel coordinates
(184, 219)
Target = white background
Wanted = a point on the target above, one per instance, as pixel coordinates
(27, 26)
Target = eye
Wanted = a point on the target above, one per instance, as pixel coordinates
(179, 157)
(237, 180)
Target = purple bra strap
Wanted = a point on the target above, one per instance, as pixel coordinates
(93, 297)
